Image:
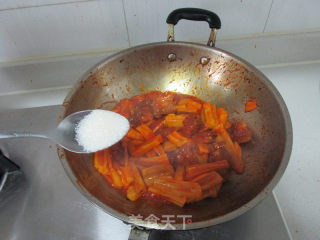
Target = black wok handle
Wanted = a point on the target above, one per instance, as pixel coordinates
(194, 14)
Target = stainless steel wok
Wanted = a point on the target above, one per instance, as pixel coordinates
(211, 74)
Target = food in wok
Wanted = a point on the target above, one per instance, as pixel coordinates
(179, 149)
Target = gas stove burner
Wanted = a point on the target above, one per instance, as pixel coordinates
(10, 176)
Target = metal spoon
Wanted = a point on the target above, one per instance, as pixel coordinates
(64, 134)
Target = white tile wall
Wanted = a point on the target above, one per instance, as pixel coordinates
(275, 49)
(146, 19)
(33, 30)
(46, 27)
(287, 15)
(61, 72)
(62, 28)
(13, 4)
(30, 76)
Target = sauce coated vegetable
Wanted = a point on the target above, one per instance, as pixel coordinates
(179, 149)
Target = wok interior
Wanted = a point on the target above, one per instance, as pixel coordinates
(224, 81)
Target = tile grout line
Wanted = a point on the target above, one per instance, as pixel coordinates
(60, 55)
(46, 5)
(266, 23)
(289, 64)
(126, 22)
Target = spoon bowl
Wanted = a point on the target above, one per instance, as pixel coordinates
(65, 133)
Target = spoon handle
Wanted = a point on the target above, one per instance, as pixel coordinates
(19, 134)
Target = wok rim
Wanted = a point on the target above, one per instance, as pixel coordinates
(201, 224)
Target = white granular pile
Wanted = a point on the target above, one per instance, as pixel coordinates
(100, 129)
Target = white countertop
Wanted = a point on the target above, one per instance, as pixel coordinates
(298, 190)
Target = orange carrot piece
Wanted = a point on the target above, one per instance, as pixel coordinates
(209, 115)
(139, 183)
(132, 193)
(126, 154)
(191, 190)
(194, 105)
(116, 178)
(188, 105)
(150, 161)
(198, 169)
(151, 153)
(203, 117)
(178, 200)
(179, 173)
(149, 123)
(238, 159)
(158, 124)
(227, 125)
(134, 134)
(173, 120)
(150, 173)
(212, 192)
(115, 165)
(136, 142)
(222, 116)
(251, 105)
(185, 101)
(147, 146)
(138, 187)
(208, 180)
(234, 149)
(177, 139)
(159, 150)
(186, 108)
(202, 154)
(100, 161)
(132, 145)
(145, 131)
(109, 160)
(169, 146)
(108, 178)
(218, 124)
(124, 108)
(182, 108)
(203, 148)
(126, 176)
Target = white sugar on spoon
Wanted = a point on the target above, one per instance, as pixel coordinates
(82, 132)
(100, 129)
